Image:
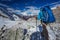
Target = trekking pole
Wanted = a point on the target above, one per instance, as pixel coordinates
(36, 24)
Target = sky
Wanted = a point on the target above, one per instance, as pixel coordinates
(21, 4)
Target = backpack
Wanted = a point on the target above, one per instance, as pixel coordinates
(46, 15)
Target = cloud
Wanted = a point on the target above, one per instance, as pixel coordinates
(31, 11)
(11, 10)
(3, 5)
(53, 8)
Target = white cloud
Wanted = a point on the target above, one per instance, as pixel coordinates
(32, 7)
(11, 10)
(32, 10)
(3, 5)
(53, 8)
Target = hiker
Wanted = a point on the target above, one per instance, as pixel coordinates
(45, 16)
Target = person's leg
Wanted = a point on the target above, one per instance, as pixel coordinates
(45, 32)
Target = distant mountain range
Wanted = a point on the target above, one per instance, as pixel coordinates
(5, 12)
